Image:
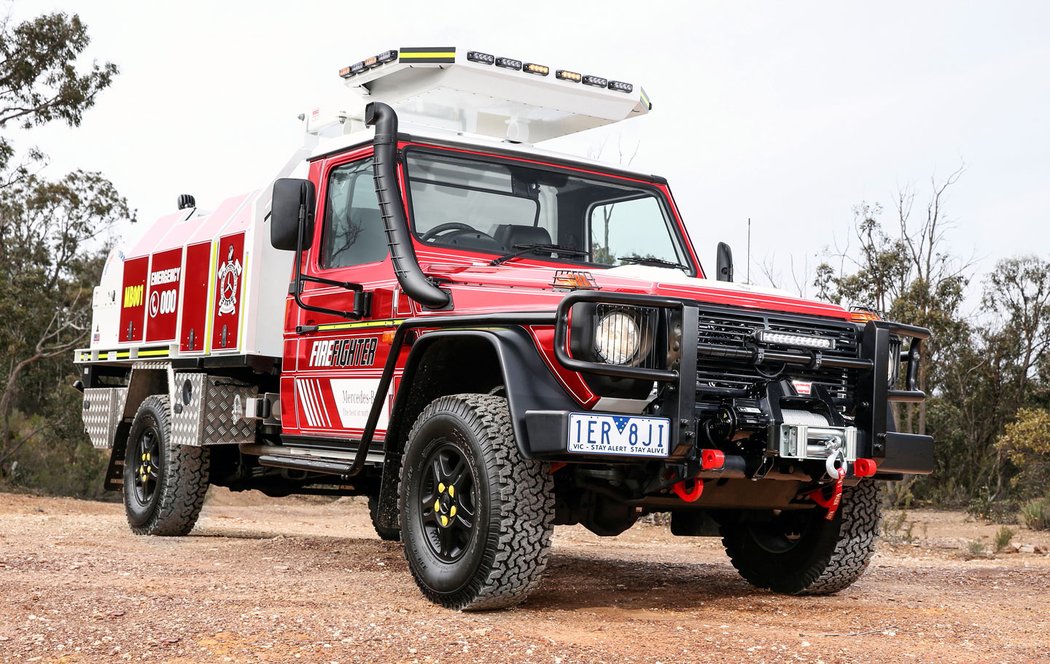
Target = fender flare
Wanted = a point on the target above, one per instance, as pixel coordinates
(532, 386)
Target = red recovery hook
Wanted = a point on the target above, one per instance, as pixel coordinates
(689, 496)
(832, 503)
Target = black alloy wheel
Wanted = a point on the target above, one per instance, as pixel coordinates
(148, 460)
(476, 515)
(449, 500)
(164, 483)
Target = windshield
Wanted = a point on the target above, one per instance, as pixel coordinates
(504, 208)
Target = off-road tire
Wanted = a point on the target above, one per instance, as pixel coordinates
(507, 548)
(829, 556)
(385, 534)
(181, 480)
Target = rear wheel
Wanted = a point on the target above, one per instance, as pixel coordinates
(799, 552)
(164, 483)
(476, 516)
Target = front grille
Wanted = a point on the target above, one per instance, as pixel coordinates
(736, 329)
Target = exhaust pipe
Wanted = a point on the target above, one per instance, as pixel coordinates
(402, 253)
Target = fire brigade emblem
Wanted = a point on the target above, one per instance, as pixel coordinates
(228, 276)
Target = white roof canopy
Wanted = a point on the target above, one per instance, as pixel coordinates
(472, 92)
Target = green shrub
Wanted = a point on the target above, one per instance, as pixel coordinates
(1036, 513)
(1003, 537)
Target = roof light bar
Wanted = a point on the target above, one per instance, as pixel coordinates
(566, 75)
(368, 63)
(596, 81)
(620, 86)
(533, 68)
(509, 63)
(481, 58)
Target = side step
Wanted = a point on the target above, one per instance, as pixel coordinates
(326, 466)
(328, 462)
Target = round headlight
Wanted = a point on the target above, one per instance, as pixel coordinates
(617, 338)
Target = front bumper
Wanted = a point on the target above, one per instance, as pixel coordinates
(884, 371)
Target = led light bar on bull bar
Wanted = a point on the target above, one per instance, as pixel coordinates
(787, 339)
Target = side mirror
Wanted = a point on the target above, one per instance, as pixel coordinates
(291, 211)
(725, 262)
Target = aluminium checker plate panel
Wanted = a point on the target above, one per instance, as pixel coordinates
(102, 411)
(209, 410)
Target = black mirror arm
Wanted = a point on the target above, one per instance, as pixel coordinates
(362, 300)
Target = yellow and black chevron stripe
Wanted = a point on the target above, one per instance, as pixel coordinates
(427, 55)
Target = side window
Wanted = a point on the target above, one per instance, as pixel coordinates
(353, 231)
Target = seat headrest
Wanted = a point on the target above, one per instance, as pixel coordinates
(510, 235)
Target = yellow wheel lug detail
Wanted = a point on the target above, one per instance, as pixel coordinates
(143, 457)
(451, 491)
(437, 505)
(441, 487)
(452, 512)
(444, 520)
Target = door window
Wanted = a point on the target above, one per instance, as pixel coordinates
(353, 232)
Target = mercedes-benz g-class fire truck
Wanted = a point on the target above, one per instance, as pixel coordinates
(488, 339)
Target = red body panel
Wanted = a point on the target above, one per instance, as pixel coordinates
(330, 375)
(229, 289)
(195, 297)
(162, 299)
(133, 302)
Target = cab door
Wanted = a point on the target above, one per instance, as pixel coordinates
(338, 361)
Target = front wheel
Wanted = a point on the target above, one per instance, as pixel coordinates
(799, 552)
(385, 534)
(476, 516)
(164, 483)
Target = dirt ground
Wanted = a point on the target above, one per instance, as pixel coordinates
(284, 580)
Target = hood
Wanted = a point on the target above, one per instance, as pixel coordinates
(519, 279)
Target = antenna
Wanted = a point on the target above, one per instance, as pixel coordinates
(749, 250)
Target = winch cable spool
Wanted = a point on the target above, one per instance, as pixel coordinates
(835, 464)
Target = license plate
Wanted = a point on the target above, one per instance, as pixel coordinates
(622, 435)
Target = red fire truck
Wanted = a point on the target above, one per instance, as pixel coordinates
(488, 339)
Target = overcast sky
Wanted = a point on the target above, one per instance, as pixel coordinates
(787, 113)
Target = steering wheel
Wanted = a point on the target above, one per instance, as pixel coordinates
(446, 227)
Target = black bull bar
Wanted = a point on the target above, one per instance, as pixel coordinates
(884, 347)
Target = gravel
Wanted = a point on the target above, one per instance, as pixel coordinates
(263, 580)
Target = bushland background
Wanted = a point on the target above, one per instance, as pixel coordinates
(987, 370)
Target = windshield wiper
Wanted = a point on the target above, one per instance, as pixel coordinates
(524, 249)
(652, 262)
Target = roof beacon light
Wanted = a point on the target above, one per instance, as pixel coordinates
(533, 68)
(386, 56)
(346, 73)
(596, 81)
(372, 61)
(620, 86)
(566, 75)
(509, 63)
(481, 58)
